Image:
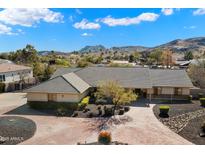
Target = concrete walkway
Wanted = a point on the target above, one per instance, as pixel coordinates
(143, 129)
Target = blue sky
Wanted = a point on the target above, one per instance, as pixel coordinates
(72, 29)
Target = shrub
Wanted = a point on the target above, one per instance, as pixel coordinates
(99, 112)
(84, 103)
(108, 111)
(164, 109)
(190, 97)
(90, 114)
(61, 111)
(126, 108)
(99, 107)
(86, 110)
(200, 95)
(53, 105)
(2, 87)
(104, 137)
(202, 100)
(121, 111)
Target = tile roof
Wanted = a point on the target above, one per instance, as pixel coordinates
(6, 67)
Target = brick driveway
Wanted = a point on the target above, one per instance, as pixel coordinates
(143, 129)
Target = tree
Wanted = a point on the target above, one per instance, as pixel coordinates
(167, 58)
(155, 56)
(131, 58)
(38, 70)
(48, 72)
(188, 55)
(116, 93)
(197, 74)
(82, 63)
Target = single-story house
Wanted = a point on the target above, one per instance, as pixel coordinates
(72, 84)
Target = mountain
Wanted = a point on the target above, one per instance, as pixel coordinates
(192, 44)
(179, 45)
(95, 48)
(129, 48)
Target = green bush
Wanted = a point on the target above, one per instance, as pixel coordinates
(202, 100)
(61, 111)
(108, 111)
(200, 95)
(2, 87)
(121, 111)
(164, 109)
(190, 97)
(126, 108)
(53, 105)
(84, 103)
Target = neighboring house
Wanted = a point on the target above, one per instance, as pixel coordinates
(72, 84)
(5, 61)
(14, 76)
(122, 62)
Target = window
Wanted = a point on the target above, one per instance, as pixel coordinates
(2, 78)
(178, 91)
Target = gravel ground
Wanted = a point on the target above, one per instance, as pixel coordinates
(178, 108)
(191, 131)
(14, 129)
(185, 119)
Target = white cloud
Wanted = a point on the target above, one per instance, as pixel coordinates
(5, 30)
(70, 18)
(86, 34)
(199, 11)
(110, 21)
(167, 11)
(84, 24)
(78, 11)
(29, 17)
(189, 27)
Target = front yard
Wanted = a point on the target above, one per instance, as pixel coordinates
(184, 118)
(137, 126)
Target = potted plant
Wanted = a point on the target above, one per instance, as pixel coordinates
(104, 137)
(164, 109)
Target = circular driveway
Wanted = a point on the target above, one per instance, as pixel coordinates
(144, 128)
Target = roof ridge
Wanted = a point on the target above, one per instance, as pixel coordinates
(74, 86)
(62, 76)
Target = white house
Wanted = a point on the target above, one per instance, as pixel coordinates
(12, 75)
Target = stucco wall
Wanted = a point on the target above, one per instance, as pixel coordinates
(15, 76)
(71, 97)
(37, 97)
(64, 97)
